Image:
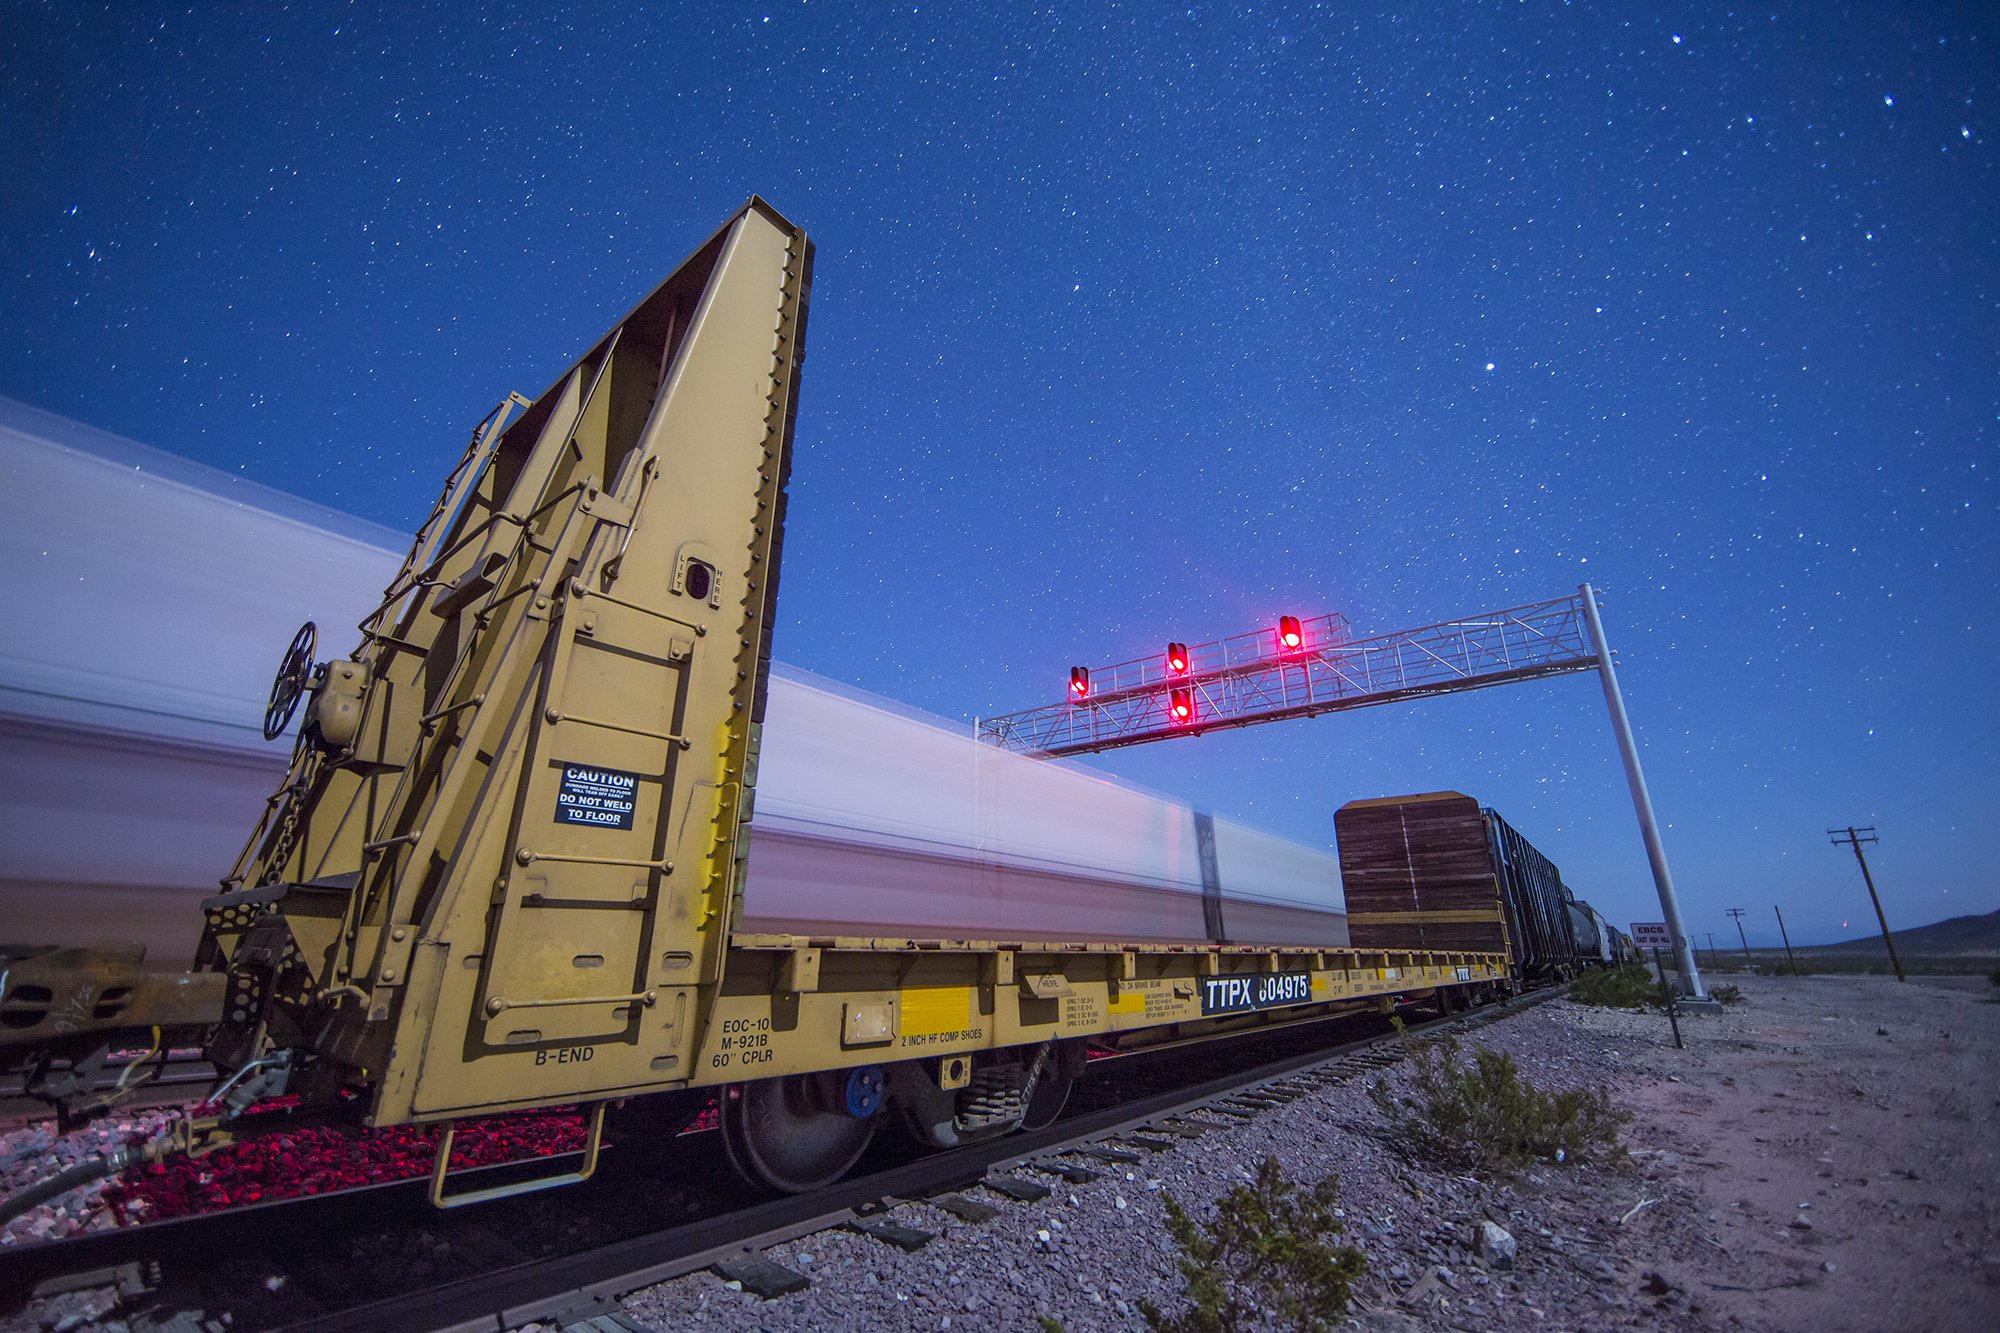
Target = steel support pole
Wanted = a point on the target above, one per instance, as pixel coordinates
(1786, 936)
(1642, 800)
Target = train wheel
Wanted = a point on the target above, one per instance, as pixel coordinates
(801, 1131)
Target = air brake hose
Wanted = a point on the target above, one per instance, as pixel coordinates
(96, 1168)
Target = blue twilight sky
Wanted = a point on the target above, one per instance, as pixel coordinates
(1136, 322)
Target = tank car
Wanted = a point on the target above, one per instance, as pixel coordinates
(1600, 942)
(1588, 935)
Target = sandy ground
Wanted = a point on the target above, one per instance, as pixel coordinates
(1821, 1157)
(1838, 1138)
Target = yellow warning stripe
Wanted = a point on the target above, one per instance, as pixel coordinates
(929, 1010)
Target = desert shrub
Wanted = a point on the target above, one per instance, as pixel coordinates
(1267, 1256)
(1726, 994)
(1629, 987)
(1484, 1113)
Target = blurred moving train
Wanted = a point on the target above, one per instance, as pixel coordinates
(150, 596)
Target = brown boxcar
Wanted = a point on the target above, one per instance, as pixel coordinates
(1436, 871)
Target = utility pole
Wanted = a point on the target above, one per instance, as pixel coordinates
(1642, 801)
(1711, 945)
(1854, 837)
(1737, 912)
(1785, 935)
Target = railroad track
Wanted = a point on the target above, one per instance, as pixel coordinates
(574, 1251)
(184, 1075)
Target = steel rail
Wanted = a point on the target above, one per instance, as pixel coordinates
(179, 1076)
(235, 1229)
(508, 1296)
(564, 1285)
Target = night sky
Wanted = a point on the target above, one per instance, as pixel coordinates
(1138, 322)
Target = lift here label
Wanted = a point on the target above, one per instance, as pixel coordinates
(604, 797)
(1266, 990)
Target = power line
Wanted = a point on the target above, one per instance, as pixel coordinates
(1834, 893)
(1951, 758)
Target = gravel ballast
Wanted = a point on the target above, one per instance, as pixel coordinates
(1820, 1157)
(1791, 1168)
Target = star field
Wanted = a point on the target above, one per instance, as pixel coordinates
(1134, 323)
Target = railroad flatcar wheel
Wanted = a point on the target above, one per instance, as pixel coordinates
(801, 1131)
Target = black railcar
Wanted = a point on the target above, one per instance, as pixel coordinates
(1589, 938)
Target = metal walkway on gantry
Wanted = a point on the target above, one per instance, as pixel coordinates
(1254, 678)
(1305, 668)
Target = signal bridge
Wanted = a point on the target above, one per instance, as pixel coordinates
(1305, 668)
(1300, 669)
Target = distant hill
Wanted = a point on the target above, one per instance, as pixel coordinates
(1959, 935)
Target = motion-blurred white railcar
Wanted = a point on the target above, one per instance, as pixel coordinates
(147, 602)
(867, 814)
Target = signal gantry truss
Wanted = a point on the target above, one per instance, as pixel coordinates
(1254, 678)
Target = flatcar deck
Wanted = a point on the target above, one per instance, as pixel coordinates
(793, 1003)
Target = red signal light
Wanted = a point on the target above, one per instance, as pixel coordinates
(1289, 633)
(1177, 658)
(1079, 682)
(1180, 706)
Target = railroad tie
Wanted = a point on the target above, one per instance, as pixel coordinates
(601, 1316)
(1018, 1188)
(761, 1277)
(1074, 1175)
(966, 1210)
(907, 1239)
(132, 1279)
(1186, 1129)
(1119, 1155)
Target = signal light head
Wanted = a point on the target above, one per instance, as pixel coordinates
(1289, 633)
(1177, 659)
(1180, 706)
(1079, 682)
